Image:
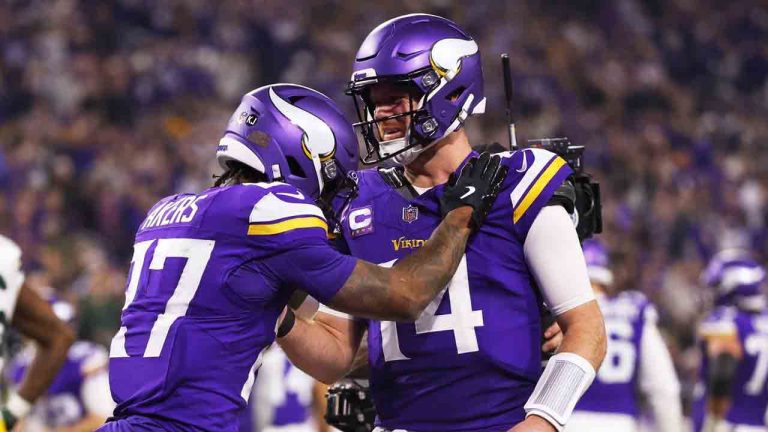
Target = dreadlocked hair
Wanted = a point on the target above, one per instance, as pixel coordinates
(238, 172)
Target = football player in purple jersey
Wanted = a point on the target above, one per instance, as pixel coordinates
(637, 362)
(23, 309)
(78, 399)
(212, 271)
(471, 361)
(732, 393)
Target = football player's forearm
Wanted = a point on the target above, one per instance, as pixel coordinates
(584, 333)
(402, 292)
(35, 319)
(323, 351)
(722, 370)
(360, 367)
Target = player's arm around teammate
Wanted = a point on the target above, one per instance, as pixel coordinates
(404, 290)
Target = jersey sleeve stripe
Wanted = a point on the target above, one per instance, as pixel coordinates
(537, 187)
(271, 208)
(540, 160)
(287, 225)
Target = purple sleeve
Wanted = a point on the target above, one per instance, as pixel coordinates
(534, 176)
(313, 266)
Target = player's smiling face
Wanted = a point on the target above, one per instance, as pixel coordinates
(391, 99)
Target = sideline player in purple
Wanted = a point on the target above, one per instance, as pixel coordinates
(22, 308)
(637, 362)
(78, 399)
(285, 399)
(472, 359)
(732, 394)
(212, 272)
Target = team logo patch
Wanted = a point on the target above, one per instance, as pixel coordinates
(361, 221)
(410, 214)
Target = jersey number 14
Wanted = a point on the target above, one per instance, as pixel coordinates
(462, 320)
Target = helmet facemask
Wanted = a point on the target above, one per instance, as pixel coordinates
(336, 183)
(419, 134)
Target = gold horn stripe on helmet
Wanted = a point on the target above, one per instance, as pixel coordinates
(440, 71)
(323, 157)
(446, 55)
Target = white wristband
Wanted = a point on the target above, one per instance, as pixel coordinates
(566, 377)
(17, 405)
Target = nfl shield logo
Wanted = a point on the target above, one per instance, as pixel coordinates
(410, 213)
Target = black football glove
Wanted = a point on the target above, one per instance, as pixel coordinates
(477, 186)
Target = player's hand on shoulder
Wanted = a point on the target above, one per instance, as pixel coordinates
(533, 424)
(476, 186)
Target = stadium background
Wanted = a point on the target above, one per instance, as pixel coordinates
(106, 106)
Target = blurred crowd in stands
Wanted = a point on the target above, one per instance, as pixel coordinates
(108, 105)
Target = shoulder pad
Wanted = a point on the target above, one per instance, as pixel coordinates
(11, 276)
(10, 252)
(9, 246)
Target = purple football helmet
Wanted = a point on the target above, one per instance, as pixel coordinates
(295, 135)
(434, 59)
(597, 262)
(737, 280)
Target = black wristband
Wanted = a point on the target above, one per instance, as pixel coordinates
(287, 325)
(722, 371)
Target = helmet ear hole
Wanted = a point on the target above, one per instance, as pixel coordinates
(295, 168)
(456, 94)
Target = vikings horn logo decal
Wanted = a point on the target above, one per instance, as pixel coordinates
(446, 55)
(318, 137)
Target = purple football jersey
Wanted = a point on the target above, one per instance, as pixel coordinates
(749, 391)
(614, 389)
(62, 405)
(209, 277)
(471, 361)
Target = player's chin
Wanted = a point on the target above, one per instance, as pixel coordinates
(388, 135)
(391, 131)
